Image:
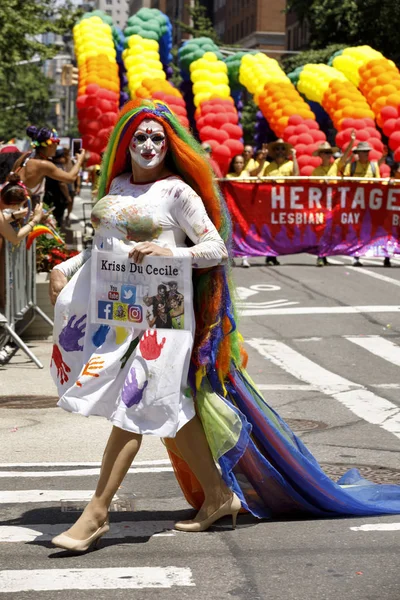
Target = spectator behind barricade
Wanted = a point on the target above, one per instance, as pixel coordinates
(361, 168)
(57, 192)
(74, 189)
(8, 156)
(236, 168)
(260, 161)
(14, 198)
(250, 163)
(329, 167)
(237, 171)
(34, 167)
(283, 164)
(214, 165)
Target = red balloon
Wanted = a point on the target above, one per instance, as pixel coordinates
(301, 148)
(374, 155)
(184, 121)
(92, 89)
(376, 144)
(200, 123)
(293, 140)
(295, 120)
(94, 159)
(206, 133)
(359, 124)
(374, 133)
(212, 143)
(221, 152)
(305, 138)
(311, 124)
(220, 135)
(396, 155)
(394, 140)
(234, 131)
(369, 122)
(306, 171)
(232, 117)
(235, 146)
(318, 135)
(210, 119)
(93, 113)
(81, 101)
(314, 161)
(303, 160)
(108, 119)
(363, 135)
(301, 129)
(385, 170)
(290, 130)
(348, 124)
(389, 112)
(220, 119)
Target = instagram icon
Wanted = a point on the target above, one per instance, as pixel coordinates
(135, 313)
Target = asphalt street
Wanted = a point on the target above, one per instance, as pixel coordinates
(324, 348)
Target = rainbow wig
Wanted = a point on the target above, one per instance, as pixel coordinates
(217, 341)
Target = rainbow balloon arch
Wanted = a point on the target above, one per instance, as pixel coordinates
(359, 89)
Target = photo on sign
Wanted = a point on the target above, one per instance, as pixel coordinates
(166, 309)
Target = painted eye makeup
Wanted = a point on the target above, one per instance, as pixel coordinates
(156, 138)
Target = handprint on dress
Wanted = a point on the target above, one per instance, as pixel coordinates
(95, 364)
(99, 336)
(131, 392)
(62, 367)
(72, 333)
(149, 347)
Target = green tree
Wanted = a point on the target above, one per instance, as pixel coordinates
(248, 119)
(291, 62)
(24, 90)
(202, 24)
(352, 22)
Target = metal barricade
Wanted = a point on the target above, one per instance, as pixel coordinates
(20, 294)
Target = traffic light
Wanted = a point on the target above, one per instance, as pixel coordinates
(69, 75)
(75, 76)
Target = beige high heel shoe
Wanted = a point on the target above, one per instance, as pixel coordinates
(231, 507)
(66, 542)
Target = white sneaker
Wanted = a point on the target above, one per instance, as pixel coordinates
(245, 263)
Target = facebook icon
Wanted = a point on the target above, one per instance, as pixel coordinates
(104, 310)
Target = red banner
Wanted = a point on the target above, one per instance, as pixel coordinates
(346, 217)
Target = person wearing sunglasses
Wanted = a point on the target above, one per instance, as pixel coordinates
(214, 165)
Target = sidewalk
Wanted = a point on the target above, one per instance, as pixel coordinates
(29, 433)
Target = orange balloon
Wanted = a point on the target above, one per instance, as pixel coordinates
(393, 99)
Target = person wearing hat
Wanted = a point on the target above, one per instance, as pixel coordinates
(363, 167)
(283, 163)
(280, 166)
(325, 152)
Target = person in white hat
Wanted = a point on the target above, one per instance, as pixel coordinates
(363, 167)
(329, 167)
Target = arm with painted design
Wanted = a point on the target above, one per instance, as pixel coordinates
(209, 249)
(61, 273)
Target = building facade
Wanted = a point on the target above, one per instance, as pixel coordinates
(117, 9)
(251, 23)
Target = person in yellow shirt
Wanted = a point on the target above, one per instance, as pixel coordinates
(236, 168)
(237, 171)
(364, 167)
(283, 163)
(329, 168)
(249, 162)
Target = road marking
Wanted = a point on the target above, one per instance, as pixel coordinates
(321, 310)
(38, 496)
(126, 578)
(79, 472)
(302, 387)
(377, 527)
(384, 278)
(138, 463)
(124, 529)
(243, 306)
(333, 261)
(362, 402)
(379, 346)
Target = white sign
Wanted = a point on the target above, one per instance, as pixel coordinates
(156, 294)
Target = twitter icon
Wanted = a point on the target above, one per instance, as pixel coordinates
(128, 294)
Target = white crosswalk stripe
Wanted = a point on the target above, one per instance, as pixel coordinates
(362, 402)
(379, 346)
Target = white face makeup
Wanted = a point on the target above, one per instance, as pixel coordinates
(148, 145)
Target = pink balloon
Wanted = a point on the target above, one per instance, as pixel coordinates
(295, 120)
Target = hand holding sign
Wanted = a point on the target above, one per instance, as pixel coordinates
(143, 249)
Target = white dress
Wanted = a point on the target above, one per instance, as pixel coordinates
(112, 371)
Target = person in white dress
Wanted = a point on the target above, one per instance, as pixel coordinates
(136, 380)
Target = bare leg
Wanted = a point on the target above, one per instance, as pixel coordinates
(192, 444)
(121, 449)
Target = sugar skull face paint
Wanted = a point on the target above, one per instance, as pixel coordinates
(148, 145)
